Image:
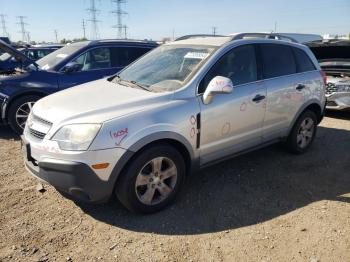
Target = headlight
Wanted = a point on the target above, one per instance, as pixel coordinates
(343, 88)
(77, 137)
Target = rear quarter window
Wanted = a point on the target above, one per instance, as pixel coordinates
(304, 64)
(277, 60)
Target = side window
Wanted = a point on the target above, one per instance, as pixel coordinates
(123, 56)
(136, 52)
(97, 58)
(31, 54)
(304, 64)
(277, 60)
(239, 65)
(120, 56)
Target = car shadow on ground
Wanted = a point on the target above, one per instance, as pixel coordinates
(247, 190)
(7, 133)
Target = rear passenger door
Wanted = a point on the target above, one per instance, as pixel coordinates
(233, 122)
(286, 88)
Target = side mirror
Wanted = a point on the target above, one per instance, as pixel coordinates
(218, 85)
(72, 67)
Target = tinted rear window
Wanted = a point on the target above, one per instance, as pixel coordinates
(304, 64)
(277, 60)
(122, 56)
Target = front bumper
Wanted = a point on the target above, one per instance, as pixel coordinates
(72, 174)
(338, 101)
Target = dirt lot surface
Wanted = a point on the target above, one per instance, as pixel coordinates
(268, 205)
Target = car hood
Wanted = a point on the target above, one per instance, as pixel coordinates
(330, 50)
(14, 52)
(96, 102)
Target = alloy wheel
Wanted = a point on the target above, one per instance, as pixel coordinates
(22, 113)
(156, 181)
(305, 132)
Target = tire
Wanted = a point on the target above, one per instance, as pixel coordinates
(150, 191)
(20, 107)
(303, 133)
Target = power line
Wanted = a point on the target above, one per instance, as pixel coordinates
(93, 19)
(119, 13)
(3, 25)
(23, 30)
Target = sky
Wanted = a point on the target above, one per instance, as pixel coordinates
(155, 19)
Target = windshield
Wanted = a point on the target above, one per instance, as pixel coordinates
(51, 60)
(167, 68)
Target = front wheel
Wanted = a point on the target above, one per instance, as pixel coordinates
(152, 180)
(19, 112)
(303, 133)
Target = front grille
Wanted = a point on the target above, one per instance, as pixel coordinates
(36, 134)
(39, 119)
(331, 88)
(38, 127)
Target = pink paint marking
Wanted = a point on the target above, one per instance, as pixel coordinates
(119, 135)
(243, 107)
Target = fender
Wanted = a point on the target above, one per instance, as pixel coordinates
(146, 141)
(13, 97)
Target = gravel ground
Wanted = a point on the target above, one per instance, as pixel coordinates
(268, 205)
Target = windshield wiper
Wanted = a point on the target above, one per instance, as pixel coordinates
(139, 85)
(124, 82)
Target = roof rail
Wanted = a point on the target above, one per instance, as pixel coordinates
(196, 36)
(124, 40)
(263, 35)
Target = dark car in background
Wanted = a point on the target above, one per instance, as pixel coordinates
(6, 40)
(69, 66)
(8, 63)
(334, 59)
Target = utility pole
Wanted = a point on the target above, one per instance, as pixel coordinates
(3, 25)
(119, 13)
(56, 35)
(93, 19)
(28, 37)
(125, 32)
(22, 24)
(84, 29)
(173, 34)
(214, 30)
(275, 27)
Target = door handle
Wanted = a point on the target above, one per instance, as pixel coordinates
(258, 98)
(300, 87)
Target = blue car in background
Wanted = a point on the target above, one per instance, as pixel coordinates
(8, 63)
(69, 66)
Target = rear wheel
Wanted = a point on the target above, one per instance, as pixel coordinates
(152, 180)
(19, 111)
(303, 133)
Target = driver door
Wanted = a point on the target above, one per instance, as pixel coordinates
(233, 122)
(93, 64)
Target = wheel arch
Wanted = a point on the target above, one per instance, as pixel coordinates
(19, 95)
(314, 106)
(169, 138)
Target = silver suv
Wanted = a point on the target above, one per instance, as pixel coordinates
(181, 107)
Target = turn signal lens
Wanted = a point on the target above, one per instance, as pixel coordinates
(100, 166)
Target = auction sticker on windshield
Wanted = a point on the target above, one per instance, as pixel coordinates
(197, 55)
